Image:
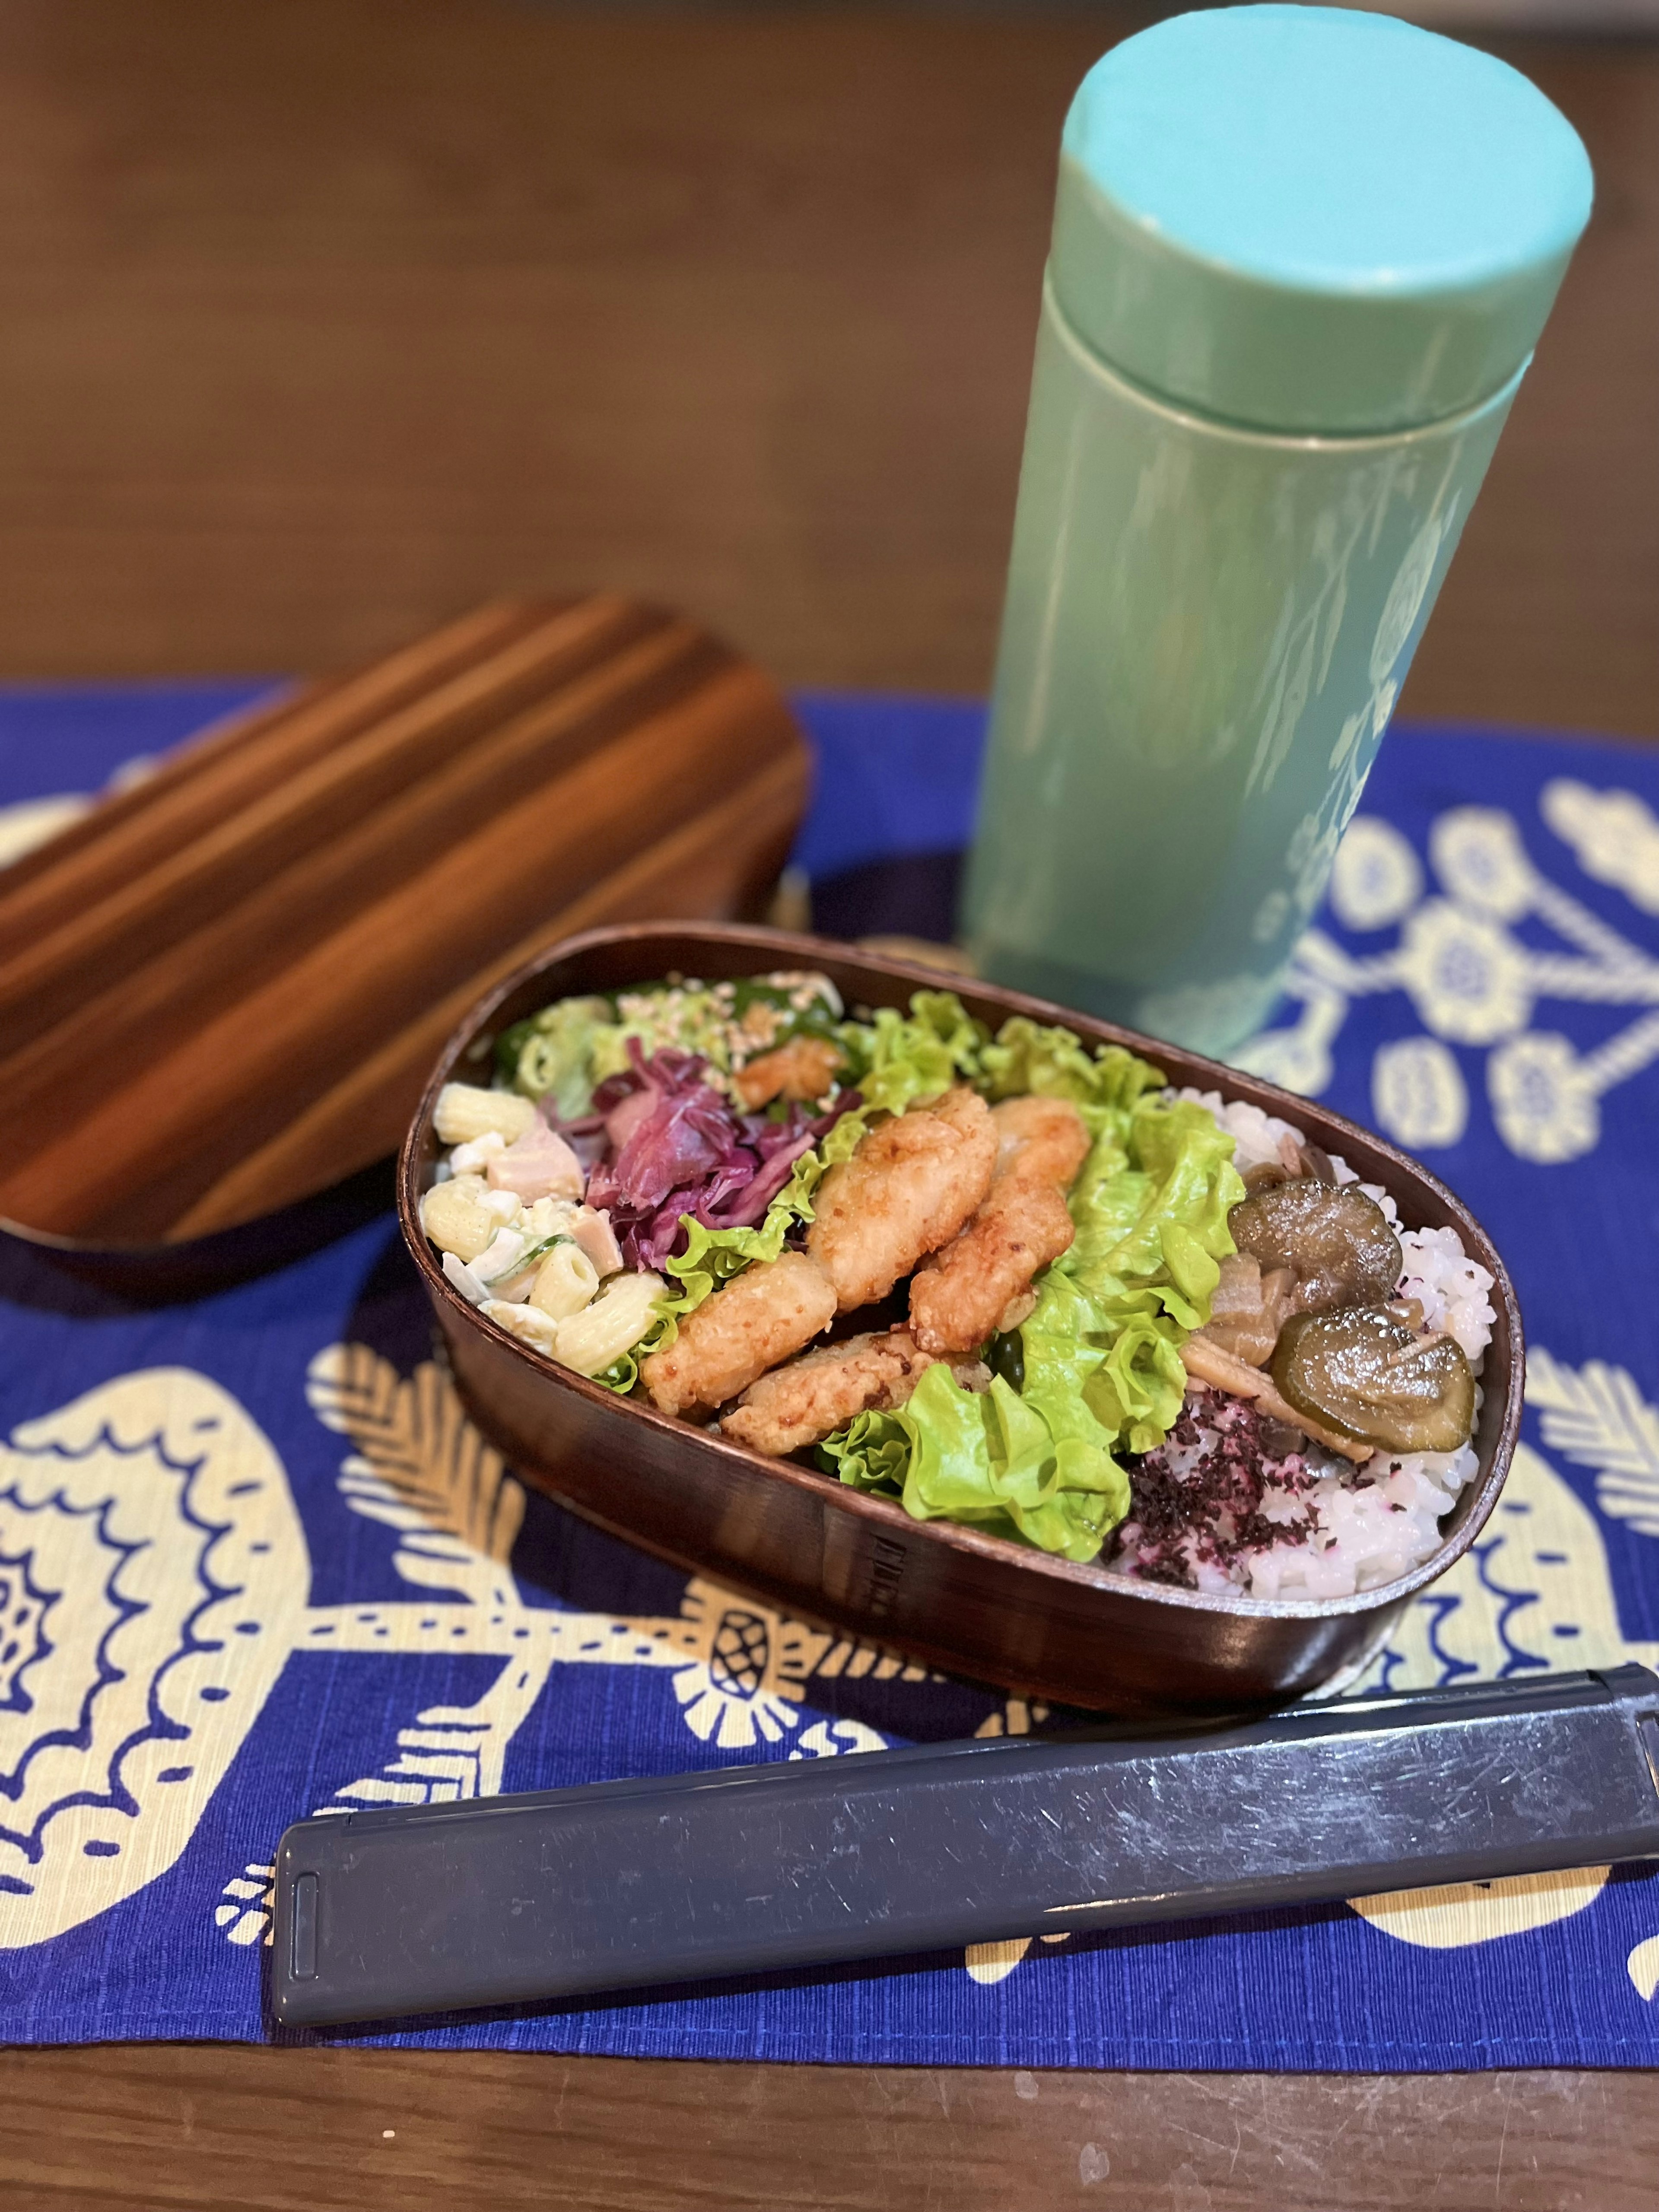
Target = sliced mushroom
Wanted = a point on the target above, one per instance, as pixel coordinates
(1264, 1175)
(1248, 1308)
(1335, 1241)
(1365, 1375)
(1207, 1363)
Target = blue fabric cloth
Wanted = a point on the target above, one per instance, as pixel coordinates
(252, 1562)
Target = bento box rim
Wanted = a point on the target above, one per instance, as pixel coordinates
(784, 948)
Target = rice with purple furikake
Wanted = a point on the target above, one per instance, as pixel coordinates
(1011, 1280)
(1235, 1500)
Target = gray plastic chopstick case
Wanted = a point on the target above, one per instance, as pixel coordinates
(625, 1884)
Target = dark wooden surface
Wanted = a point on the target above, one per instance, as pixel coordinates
(325, 318)
(355, 2131)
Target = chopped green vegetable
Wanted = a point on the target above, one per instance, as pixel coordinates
(536, 1253)
(552, 1053)
(1005, 1355)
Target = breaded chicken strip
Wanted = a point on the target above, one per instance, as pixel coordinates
(1040, 1140)
(761, 1316)
(803, 1068)
(908, 1189)
(820, 1392)
(965, 1293)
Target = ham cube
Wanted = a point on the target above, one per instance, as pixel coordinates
(538, 1165)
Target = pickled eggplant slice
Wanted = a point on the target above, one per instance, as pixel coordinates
(1365, 1375)
(1334, 1240)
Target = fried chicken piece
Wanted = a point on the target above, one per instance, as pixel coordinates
(812, 1397)
(803, 1068)
(981, 1281)
(1040, 1140)
(761, 1316)
(913, 1181)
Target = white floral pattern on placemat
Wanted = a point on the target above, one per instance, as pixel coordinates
(1475, 980)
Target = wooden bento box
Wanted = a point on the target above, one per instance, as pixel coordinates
(978, 1605)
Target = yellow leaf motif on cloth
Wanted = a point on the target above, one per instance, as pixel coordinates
(1534, 1591)
(1463, 1913)
(987, 1964)
(1642, 1967)
(1595, 1417)
(421, 1468)
(737, 1666)
(155, 1583)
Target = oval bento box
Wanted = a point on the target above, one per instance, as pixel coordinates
(977, 1605)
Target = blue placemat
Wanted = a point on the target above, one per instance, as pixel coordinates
(253, 1562)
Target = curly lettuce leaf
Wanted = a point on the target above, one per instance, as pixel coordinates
(1104, 1085)
(1152, 1210)
(1150, 1207)
(897, 1061)
(1101, 1350)
(993, 1459)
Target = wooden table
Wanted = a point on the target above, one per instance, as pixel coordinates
(325, 318)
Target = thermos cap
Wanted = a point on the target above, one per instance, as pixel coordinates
(1312, 219)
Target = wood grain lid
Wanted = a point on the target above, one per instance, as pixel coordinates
(220, 991)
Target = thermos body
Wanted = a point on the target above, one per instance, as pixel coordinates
(1206, 631)
(1301, 258)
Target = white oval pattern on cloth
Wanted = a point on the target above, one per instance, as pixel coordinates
(1472, 981)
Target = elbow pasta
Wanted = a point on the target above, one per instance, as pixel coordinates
(591, 1340)
(565, 1282)
(464, 1112)
(457, 1217)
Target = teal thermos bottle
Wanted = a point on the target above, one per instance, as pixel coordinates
(1301, 258)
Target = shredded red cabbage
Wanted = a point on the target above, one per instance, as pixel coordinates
(677, 1146)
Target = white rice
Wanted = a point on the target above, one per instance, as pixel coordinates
(1374, 1523)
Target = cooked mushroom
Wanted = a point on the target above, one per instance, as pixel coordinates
(1335, 1241)
(1248, 1308)
(1207, 1363)
(1365, 1374)
(1263, 1176)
